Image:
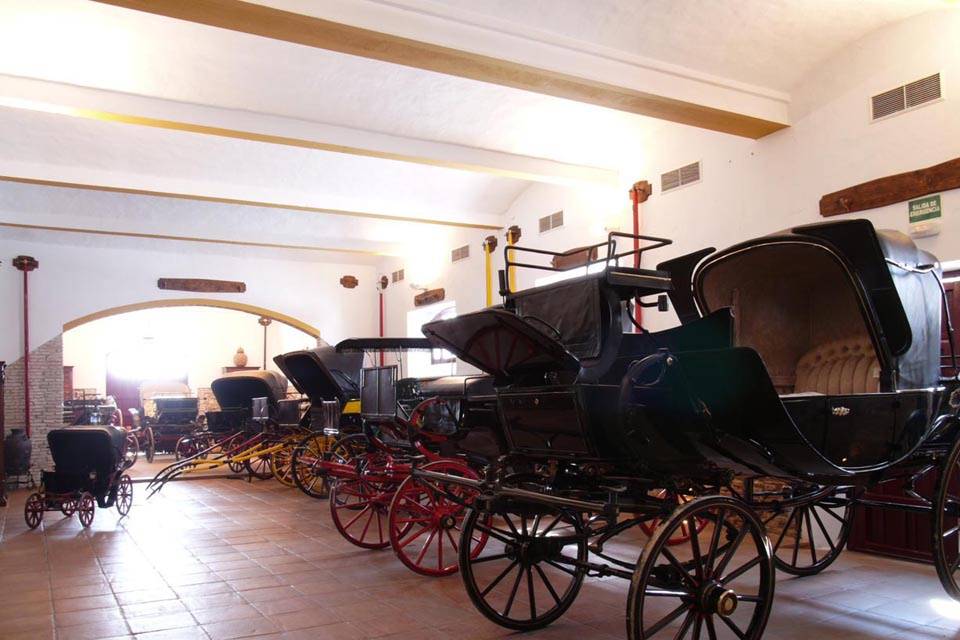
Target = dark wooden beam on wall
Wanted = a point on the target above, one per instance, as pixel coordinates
(200, 285)
(892, 189)
(430, 296)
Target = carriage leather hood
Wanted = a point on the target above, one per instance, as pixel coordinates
(238, 389)
(900, 307)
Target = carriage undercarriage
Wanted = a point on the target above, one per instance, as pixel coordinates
(707, 568)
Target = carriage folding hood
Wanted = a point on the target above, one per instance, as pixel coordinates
(814, 284)
(323, 374)
(238, 389)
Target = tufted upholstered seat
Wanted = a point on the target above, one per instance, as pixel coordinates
(839, 367)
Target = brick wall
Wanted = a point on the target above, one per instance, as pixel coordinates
(46, 398)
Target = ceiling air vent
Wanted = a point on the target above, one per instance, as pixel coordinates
(460, 253)
(680, 177)
(551, 221)
(398, 275)
(906, 97)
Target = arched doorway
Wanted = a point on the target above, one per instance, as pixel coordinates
(178, 346)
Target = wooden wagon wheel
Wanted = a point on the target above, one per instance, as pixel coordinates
(124, 495)
(824, 523)
(425, 523)
(359, 506)
(946, 524)
(150, 449)
(281, 462)
(131, 451)
(532, 566)
(305, 464)
(683, 534)
(68, 507)
(719, 584)
(33, 510)
(86, 506)
(259, 467)
(186, 447)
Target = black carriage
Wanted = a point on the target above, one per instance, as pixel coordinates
(173, 418)
(806, 367)
(90, 466)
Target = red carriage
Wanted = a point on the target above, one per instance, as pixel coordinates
(375, 502)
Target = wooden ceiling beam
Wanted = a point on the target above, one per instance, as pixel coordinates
(268, 22)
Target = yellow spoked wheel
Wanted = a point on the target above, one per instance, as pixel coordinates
(304, 464)
(281, 462)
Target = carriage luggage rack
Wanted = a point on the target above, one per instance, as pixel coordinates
(612, 257)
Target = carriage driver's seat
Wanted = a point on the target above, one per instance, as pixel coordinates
(840, 367)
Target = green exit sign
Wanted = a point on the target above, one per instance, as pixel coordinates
(924, 209)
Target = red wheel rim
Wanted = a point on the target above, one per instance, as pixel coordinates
(426, 525)
(682, 533)
(359, 507)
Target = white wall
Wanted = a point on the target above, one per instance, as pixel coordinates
(78, 279)
(197, 341)
(754, 187)
(429, 264)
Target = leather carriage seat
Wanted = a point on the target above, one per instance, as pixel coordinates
(839, 367)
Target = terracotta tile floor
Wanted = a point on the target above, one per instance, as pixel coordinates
(221, 559)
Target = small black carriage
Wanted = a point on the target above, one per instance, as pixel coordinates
(805, 368)
(173, 418)
(90, 466)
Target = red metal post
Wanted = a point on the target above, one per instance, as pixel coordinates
(26, 264)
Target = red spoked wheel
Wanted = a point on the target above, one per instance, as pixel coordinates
(86, 506)
(359, 506)
(124, 495)
(33, 510)
(68, 507)
(425, 522)
(682, 534)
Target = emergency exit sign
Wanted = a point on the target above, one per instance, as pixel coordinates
(923, 209)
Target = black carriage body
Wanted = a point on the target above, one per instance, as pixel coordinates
(235, 393)
(722, 393)
(175, 417)
(465, 414)
(85, 459)
(330, 379)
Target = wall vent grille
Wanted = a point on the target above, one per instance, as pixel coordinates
(397, 276)
(683, 176)
(551, 221)
(460, 253)
(908, 96)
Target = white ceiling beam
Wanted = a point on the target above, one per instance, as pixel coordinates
(110, 106)
(417, 37)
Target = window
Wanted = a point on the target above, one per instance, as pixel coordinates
(397, 275)
(436, 362)
(460, 253)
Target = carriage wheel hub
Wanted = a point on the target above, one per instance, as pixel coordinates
(448, 522)
(719, 600)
